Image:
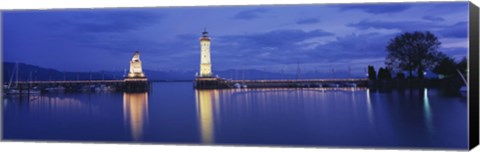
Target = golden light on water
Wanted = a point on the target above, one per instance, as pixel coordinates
(135, 112)
(56, 105)
(243, 103)
(205, 101)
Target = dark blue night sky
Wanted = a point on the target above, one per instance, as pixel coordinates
(319, 37)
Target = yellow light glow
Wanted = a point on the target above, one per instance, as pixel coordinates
(205, 65)
(205, 100)
(135, 112)
(136, 66)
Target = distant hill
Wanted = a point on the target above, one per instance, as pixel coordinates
(32, 72)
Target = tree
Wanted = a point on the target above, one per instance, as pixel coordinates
(400, 76)
(384, 74)
(381, 75)
(388, 73)
(413, 51)
(462, 65)
(446, 67)
(372, 75)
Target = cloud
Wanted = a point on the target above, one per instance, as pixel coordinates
(354, 46)
(105, 21)
(308, 21)
(354, 50)
(458, 53)
(272, 49)
(447, 7)
(457, 30)
(377, 8)
(108, 30)
(111, 33)
(182, 52)
(188, 37)
(433, 18)
(274, 38)
(249, 14)
(261, 49)
(401, 25)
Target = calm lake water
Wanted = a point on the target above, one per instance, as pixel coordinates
(176, 113)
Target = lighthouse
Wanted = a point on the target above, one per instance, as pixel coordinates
(136, 67)
(206, 80)
(136, 81)
(205, 65)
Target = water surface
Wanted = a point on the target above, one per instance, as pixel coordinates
(176, 113)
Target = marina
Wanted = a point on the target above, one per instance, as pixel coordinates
(355, 76)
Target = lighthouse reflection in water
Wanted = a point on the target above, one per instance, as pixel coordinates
(135, 113)
(206, 100)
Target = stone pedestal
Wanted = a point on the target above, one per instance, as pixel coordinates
(210, 83)
(136, 85)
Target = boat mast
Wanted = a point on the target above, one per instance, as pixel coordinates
(298, 69)
(16, 77)
(11, 76)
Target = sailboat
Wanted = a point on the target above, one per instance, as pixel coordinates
(35, 89)
(9, 89)
(13, 90)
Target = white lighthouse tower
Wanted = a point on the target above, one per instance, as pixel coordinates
(205, 65)
(206, 80)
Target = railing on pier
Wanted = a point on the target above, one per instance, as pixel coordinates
(70, 82)
(129, 85)
(217, 83)
(299, 80)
